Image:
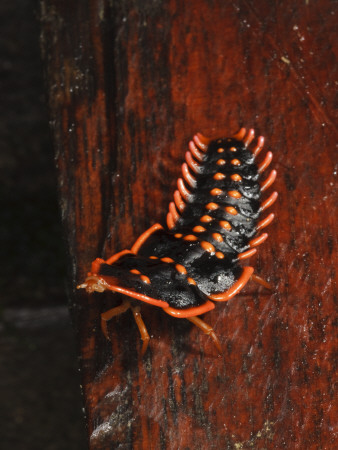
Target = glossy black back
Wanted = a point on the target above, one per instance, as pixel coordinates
(202, 262)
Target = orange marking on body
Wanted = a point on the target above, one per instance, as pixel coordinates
(98, 261)
(135, 271)
(211, 206)
(191, 163)
(249, 138)
(225, 224)
(181, 269)
(233, 149)
(231, 210)
(191, 281)
(269, 201)
(153, 257)
(109, 284)
(190, 312)
(219, 255)
(178, 201)
(235, 194)
(187, 175)
(144, 236)
(178, 235)
(206, 219)
(207, 246)
(265, 222)
(182, 189)
(199, 229)
(258, 240)
(240, 134)
(265, 163)
(145, 279)
(201, 141)
(170, 221)
(268, 182)
(218, 237)
(260, 144)
(194, 151)
(221, 162)
(216, 191)
(220, 150)
(219, 176)
(236, 177)
(235, 162)
(247, 254)
(167, 260)
(190, 237)
(173, 211)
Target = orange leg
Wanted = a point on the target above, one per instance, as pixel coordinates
(261, 281)
(111, 313)
(207, 329)
(142, 328)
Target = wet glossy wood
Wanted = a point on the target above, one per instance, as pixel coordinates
(129, 84)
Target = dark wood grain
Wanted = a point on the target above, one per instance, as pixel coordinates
(129, 84)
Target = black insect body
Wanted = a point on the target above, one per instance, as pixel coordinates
(211, 227)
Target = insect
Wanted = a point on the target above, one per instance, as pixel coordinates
(212, 225)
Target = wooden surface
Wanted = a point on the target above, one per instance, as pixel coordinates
(129, 83)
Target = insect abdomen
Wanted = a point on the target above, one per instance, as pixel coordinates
(224, 198)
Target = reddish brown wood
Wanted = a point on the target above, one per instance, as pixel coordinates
(129, 84)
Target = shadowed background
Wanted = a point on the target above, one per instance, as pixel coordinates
(40, 406)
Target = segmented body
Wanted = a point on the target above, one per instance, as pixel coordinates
(211, 226)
